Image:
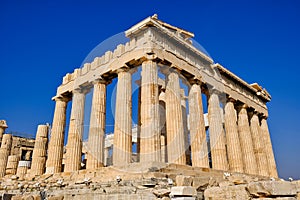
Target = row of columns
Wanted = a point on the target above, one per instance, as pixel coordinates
(11, 164)
(240, 149)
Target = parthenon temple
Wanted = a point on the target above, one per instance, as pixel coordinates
(190, 111)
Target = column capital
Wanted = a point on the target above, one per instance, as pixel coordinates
(243, 105)
(61, 98)
(196, 80)
(3, 124)
(231, 99)
(81, 89)
(101, 80)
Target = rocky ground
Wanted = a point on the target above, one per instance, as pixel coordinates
(148, 181)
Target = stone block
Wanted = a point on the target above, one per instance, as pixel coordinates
(272, 188)
(183, 191)
(184, 180)
(237, 192)
(61, 197)
(200, 183)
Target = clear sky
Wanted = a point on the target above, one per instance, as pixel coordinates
(259, 40)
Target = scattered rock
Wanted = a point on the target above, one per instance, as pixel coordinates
(183, 180)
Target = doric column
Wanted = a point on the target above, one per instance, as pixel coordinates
(150, 133)
(122, 148)
(39, 151)
(185, 128)
(216, 133)
(268, 148)
(56, 144)
(162, 126)
(197, 128)
(97, 127)
(4, 152)
(22, 169)
(234, 151)
(174, 121)
(12, 164)
(250, 165)
(3, 126)
(74, 146)
(258, 145)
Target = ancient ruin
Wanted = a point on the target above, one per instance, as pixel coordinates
(181, 151)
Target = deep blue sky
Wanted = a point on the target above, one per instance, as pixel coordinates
(40, 41)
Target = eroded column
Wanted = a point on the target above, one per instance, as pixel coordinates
(197, 128)
(4, 152)
(39, 151)
(3, 126)
(250, 165)
(258, 145)
(12, 164)
(74, 146)
(234, 151)
(150, 144)
(268, 148)
(123, 127)
(216, 132)
(56, 144)
(97, 127)
(174, 121)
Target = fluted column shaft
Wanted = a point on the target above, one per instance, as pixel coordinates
(258, 146)
(123, 126)
(197, 128)
(268, 148)
(97, 127)
(234, 151)
(39, 151)
(74, 146)
(174, 121)
(56, 144)
(12, 164)
(4, 152)
(250, 165)
(216, 132)
(150, 132)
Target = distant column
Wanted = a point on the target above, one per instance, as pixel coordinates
(258, 145)
(56, 144)
(122, 148)
(3, 126)
(12, 164)
(97, 127)
(268, 148)
(39, 151)
(250, 165)
(216, 132)
(197, 128)
(150, 144)
(174, 121)
(74, 146)
(234, 151)
(4, 152)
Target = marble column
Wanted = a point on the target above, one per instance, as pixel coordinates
(12, 164)
(250, 165)
(185, 128)
(234, 151)
(150, 144)
(4, 152)
(268, 148)
(258, 145)
(122, 148)
(174, 121)
(56, 144)
(197, 128)
(74, 146)
(3, 126)
(97, 127)
(216, 133)
(39, 151)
